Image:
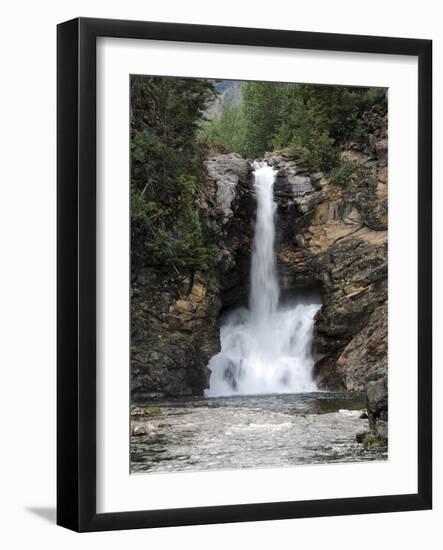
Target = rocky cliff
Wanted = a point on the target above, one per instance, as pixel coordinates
(332, 236)
(175, 315)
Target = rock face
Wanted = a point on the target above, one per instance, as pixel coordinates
(336, 238)
(377, 403)
(228, 210)
(173, 334)
(174, 316)
(332, 238)
(227, 171)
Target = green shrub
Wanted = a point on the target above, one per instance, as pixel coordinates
(341, 176)
(227, 131)
(315, 121)
(152, 410)
(319, 152)
(180, 246)
(371, 440)
(190, 249)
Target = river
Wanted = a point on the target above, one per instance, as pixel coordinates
(253, 432)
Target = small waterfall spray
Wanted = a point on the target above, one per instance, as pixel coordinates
(266, 348)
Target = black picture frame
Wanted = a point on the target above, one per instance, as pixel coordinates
(76, 266)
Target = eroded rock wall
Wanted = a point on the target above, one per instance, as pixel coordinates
(175, 315)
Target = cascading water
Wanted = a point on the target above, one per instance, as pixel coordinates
(266, 348)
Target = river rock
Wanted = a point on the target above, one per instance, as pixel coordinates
(377, 406)
(138, 430)
(377, 396)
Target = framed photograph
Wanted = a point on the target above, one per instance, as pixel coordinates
(244, 274)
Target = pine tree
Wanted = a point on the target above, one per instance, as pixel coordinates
(166, 114)
(261, 108)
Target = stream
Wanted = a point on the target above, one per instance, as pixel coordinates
(253, 432)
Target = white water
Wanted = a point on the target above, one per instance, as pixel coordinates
(266, 348)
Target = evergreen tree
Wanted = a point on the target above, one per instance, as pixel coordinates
(312, 121)
(227, 131)
(166, 114)
(262, 111)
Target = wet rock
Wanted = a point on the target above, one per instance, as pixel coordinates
(138, 430)
(300, 240)
(377, 396)
(377, 404)
(382, 430)
(145, 428)
(138, 413)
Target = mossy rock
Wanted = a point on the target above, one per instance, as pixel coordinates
(371, 440)
(153, 410)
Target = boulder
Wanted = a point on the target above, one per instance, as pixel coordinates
(377, 397)
(377, 403)
(227, 171)
(138, 430)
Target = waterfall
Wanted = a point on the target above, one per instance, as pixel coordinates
(264, 286)
(266, 348)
